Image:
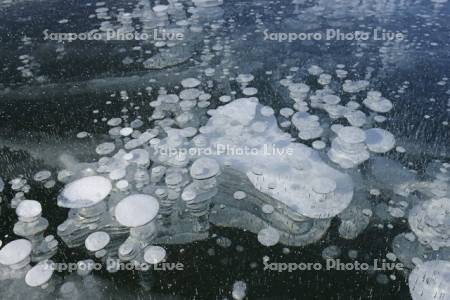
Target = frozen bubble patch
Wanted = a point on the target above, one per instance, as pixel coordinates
(430, 221)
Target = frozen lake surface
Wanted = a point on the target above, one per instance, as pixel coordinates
(212, 149)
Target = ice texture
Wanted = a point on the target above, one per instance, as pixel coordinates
(430, 281)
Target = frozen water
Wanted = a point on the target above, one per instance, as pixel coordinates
(297, 154)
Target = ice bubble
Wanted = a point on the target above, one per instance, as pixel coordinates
(239, 195)
(319, 145)
(391, 256)
(136, 123)
(42, 175)
(267, 111)
(97, 241)
(355, 86)
(117, 174)
(189, 83)
(341, 73)
(336, 127)
(188, 132)
(268, 236)
(190, 94)
(28, 210)
(315, 70)
(267, 209)
(225, 99)
(122, 184)
(430, 221)
(245, 78)
(204, 97)
(250, 91)
(323, 185)
(105, 148)
(169, 98)
(114, 122)
(126, 131)
(379, 119)
(430, 281)
(351, 135)
(139, 157)
(40, 274)
(348, 149)
(204, 168)
(356, 118)
(154, 254)
(307, 125)
(49, 184)
(331, 99)
(298, 89)
(203, 104)
(239, 290)
(377, 103)
(188, 195)
(324, 79)
(85, 192)
(331, 252)
(379, 140)
(15, 252)
(400, 149)
(136, 210)
(160, 9)
(82, 134)
(286, 112)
